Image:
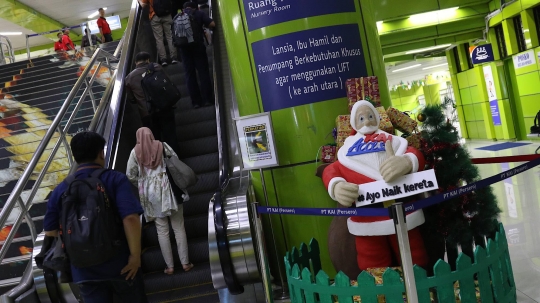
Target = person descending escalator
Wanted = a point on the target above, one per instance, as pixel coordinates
(160, 198)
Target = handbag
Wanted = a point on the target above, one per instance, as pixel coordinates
(535, 129)
(182, 175)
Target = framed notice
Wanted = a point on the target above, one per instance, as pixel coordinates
(256, 139)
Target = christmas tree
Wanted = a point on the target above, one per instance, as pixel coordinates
(466, 219)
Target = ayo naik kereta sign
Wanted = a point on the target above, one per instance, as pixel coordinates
(268, 12)
(308, 66)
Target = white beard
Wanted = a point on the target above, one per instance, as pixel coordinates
(368, 130)
(368, 164)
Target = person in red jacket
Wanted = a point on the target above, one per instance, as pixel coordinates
(66, 40)
(104, 28)
(369, 155)
(58, 45)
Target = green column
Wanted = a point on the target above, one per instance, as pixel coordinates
(261, 33)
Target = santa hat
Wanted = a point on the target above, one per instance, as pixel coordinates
(355, 111)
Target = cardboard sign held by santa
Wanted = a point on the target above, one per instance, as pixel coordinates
(370, 158)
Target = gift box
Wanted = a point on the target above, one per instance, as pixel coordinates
(328, 154)
(386, 124)
(401, 121)
(363, 89)
(415, 140)
(340, 139)
(343, 123)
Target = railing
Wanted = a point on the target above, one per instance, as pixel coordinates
(4, 41)
(489, 278)
(58, 129)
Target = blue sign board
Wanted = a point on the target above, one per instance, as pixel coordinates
(261, 13)
(494, 105)
(482, 54)
(308, 66)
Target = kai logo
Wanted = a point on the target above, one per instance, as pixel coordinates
(481, 53)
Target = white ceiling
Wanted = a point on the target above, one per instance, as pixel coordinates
(67, 12)
(19, 42)
(417, 73)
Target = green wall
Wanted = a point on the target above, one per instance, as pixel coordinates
(299, 131)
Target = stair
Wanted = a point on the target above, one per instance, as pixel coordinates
(197, 139)
(31, 94)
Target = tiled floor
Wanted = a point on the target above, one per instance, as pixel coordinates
(519, 199)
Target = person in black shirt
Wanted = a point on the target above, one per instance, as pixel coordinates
(195, 60)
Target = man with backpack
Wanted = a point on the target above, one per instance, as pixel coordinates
(96, 213)
(189, 38)
(161, 23)
(149, 87)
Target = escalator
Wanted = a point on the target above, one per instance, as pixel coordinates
(217, 218)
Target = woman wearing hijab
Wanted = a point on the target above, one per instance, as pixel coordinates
(146, 169)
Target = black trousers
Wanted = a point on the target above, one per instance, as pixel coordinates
(163, 126)
(196, 62)
(107, 38)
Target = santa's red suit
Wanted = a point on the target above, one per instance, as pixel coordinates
(376, 242)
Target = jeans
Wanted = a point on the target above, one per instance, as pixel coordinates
(163, 126)
(104, 291)
(177, 223)
(161, 26)
(196, 62)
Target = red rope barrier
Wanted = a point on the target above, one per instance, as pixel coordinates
(492, 160)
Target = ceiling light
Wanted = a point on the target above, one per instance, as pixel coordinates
(434, 66)
(434, 17)
(95, 13)
(10, 33)
(406, 68)
(421, 50)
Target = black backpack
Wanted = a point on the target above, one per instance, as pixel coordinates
(162, 7)
(90, 226)
(186, 28)
(160, 92)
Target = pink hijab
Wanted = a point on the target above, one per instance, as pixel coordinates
(148, 150)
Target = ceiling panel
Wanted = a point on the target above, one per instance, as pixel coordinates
(19, 42)
(73, 12)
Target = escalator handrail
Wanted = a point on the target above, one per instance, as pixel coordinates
(220, 217)
(117, 102)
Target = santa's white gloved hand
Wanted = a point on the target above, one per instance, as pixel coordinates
(394, 166)
(346, 193)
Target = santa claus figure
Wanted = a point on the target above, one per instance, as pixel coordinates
(371, 155)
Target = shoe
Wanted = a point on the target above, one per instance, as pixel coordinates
(174, 61)
(196, 106)
(207, 104)
(163, 62)
(169, 271)
(188, 267)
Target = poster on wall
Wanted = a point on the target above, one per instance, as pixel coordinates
(524, 59)
(308, 66)
(492, 95)
(256, 139)
(268, 12)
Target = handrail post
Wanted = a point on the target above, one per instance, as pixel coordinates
(27, 52)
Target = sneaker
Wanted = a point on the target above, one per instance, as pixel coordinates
(196, 106)
(207, 104)
(163, 62)
(174, 61)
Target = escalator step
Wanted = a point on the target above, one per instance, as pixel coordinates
(190, 116)
(152, 259)
(196, 227)
(196, 130)
(207, 182)
(203, 293)
(197, 204)
(204, 163)
(159, 282)
(195, 147)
